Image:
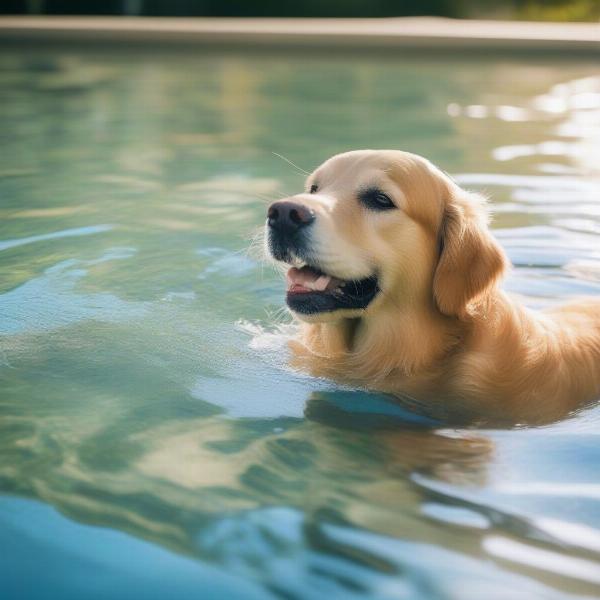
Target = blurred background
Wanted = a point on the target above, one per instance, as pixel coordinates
(154, 442)
(537, 10)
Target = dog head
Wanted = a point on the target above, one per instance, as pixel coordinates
(382, 228)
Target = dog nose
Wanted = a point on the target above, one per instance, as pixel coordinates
(287, 216)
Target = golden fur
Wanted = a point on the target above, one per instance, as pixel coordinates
(441, 330)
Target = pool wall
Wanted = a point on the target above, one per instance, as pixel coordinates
(403, 32)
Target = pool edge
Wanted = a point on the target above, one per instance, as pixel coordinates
(401, 32)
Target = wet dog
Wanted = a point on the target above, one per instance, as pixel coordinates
(394, 277)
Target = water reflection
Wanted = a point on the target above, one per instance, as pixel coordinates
(134, 398)
(166, 479)
(199, 483)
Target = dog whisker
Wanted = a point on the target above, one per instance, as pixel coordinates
(287, 160)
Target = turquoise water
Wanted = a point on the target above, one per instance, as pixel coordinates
(153, 442)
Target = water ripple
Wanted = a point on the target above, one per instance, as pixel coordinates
(75, 232)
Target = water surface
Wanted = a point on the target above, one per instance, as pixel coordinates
(153, 441)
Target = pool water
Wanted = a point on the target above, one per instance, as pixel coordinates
(153, 442)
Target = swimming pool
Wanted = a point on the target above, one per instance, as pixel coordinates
(153, 442)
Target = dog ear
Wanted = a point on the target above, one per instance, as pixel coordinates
(471, 261)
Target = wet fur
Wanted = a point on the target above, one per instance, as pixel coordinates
(442, 330)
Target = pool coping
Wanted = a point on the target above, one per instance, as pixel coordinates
(401, 32)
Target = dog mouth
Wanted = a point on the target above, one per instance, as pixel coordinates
(311, 291)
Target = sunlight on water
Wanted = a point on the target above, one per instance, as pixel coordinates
(150, 428)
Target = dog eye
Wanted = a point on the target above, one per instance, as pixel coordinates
(375, 199)
(313, 188)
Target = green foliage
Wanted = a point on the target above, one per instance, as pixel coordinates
(558, 10)
(535, 10)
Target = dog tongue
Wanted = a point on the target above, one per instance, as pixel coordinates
(304, 280)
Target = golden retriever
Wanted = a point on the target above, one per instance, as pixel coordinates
(394, 277)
